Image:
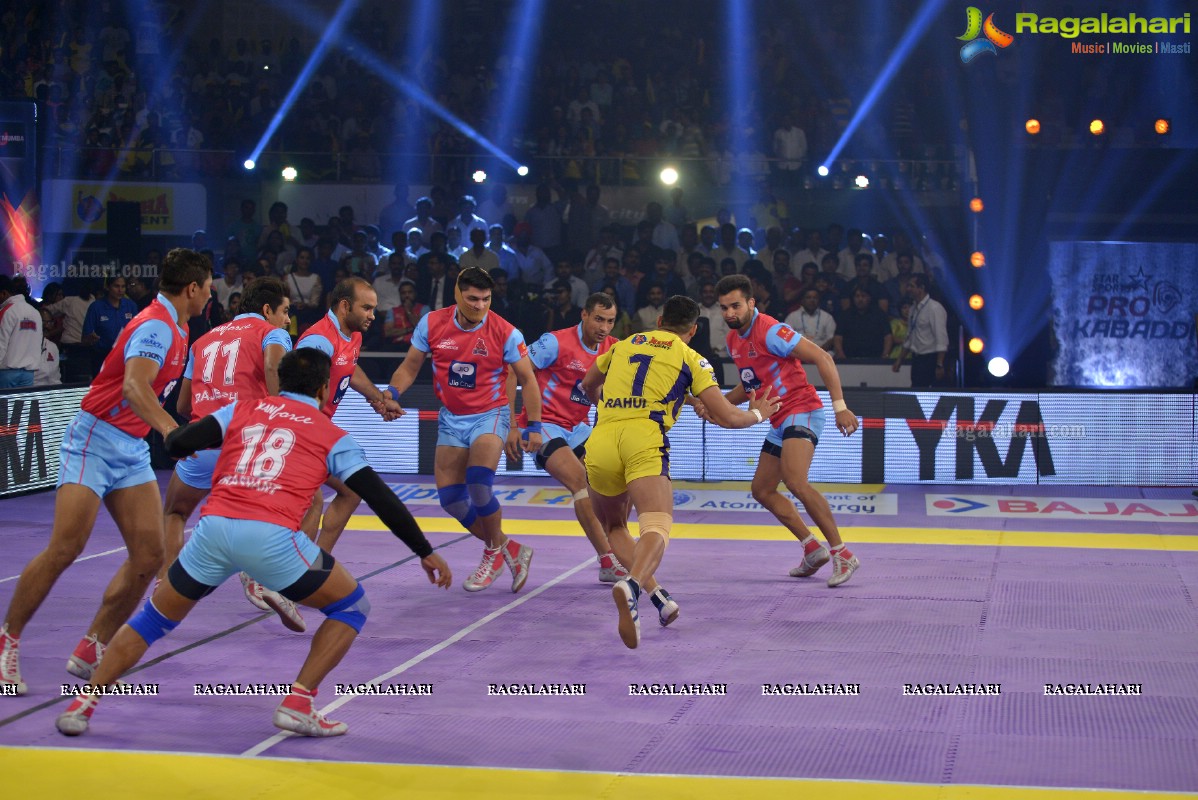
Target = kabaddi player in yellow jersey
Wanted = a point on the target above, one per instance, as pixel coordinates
(641, 384)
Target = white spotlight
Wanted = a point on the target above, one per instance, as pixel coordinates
(521, 170)
(290, 173)
(998, 367)
(823, 171)
(861, 181)
(479, 176)
(249, 163)
(669, 176)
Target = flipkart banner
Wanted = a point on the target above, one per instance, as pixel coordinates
(167, 209)
(1124, 313)
(18, 182)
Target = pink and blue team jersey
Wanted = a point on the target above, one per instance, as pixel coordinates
(326, 336)
(276, 452)
(561, 361)
(155, 334)
(232, 363)
(469, 365)
(763, 354)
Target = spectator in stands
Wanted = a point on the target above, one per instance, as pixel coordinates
(396, 213)
(533, 266)
(495, 207)
(813, 322)
(664, 235)
(862, 331)
(790, 148)
(847, 257)
(865, 280)
(77, 364)
(374, 246)
(927, 337)
(230, 282)
(887, 266)
(306, 289)
(664, 274)
(896, 287)
(769, 298)
(728, 248)
(563, 313)
(21, 337)
(814, 251)
(563, 273)
(400, 320)
(744, 240)
(106, 317)
(466, 221)
(677, 214)
(499, 246)
(898, 326)
(48, 371)
(137, 291)
(707, 240)
(503, 302)
(423, 219)
(709, 307)
(773, 243)
(435, 289)
(545, 217)
(359, 260)
(415, 245)
(246, 229)
(277, 223)
(478, 254)
(646, 316)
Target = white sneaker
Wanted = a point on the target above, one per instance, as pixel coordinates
(630, 619)
(298, 716)
(253, 592)
(10, 664)
(811, 563)
(517, 563)
(842, 568)
(667, 608)
(610, 569)
(488, 570)
(288, 612)
(86, 658)
(75, 719)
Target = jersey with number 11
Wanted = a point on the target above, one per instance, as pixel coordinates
(227, 363)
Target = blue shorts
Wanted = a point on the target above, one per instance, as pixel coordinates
(575, 439)
(812, 421)
(197, 470)
(101, 457)
(461, 430)
(275, 555)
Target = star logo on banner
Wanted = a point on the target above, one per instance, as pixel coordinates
(1139, 280)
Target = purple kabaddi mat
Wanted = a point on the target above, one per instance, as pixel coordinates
(914, 614)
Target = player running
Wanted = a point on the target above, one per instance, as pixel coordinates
(105, 457)
(644, 381)
(767, 353)
(280, 450)
(470, 347)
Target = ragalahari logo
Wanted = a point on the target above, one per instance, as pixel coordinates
(974, 27)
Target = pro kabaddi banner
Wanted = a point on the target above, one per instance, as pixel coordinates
(1124, 313)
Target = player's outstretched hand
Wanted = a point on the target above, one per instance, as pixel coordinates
(761, 400)
(846, 422)
(700, 409)
(437, 570)
(390, 410)
(512, 446)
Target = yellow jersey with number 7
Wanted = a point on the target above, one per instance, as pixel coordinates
(648, 377)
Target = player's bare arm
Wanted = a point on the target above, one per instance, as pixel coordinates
(726, 415)
(138, 391)
(806, 350)
(531, 395)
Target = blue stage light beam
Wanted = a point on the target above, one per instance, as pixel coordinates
(423, 40)
(521, 52)
(309, 18)
(740, 29)
(914, 32)
(329, 37)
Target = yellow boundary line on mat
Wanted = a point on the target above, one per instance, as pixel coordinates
(99, 774)
(862, 535)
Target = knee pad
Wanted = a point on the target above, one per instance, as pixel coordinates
(351, 609)
(150, 624)
(479, 481)
(548, 449)
(656, 522)
(456, 502)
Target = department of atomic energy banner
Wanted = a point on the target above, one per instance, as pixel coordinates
(998, 438)
(167, 209)
(19, 235)
(1123, 313)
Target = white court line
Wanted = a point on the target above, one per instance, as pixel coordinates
(76, 561)
(265, 745)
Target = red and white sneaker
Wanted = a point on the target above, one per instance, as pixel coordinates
(488, 570)
(253, 592)
(518, 557)
(844, 564)
(288, 611)
(10, 664)
(86, 658)
(296, 714)
(811, 562)
(610, 569)
(75, 719)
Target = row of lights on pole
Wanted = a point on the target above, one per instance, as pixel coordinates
(998, 365)
(1162, 126)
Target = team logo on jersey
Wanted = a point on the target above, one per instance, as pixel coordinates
(786, 333)
(752, 351)
(480, 348)
(577, 366)
(640, 338)
(462, 374)
(342, 360)
(522, 349)
(749, 380)
(447, 344)
(28, 325)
